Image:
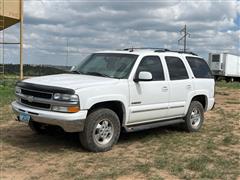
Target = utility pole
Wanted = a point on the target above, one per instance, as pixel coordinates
(184, 37)
(67, 53)
(21, 39)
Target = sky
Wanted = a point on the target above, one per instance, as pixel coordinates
(89, 26)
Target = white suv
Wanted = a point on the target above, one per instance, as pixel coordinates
(110, 91)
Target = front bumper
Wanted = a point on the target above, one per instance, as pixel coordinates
(70, 122)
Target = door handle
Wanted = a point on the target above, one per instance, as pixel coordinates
(189, 86)
(164, 88)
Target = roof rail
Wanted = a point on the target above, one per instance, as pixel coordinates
(160, 50)
(186, 52)
(182, 52)
(156, 49)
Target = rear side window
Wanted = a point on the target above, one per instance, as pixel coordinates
(153, 65)
(199, 67)
(176, 68)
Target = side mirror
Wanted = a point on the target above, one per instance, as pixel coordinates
(143, 76)
(72, 68)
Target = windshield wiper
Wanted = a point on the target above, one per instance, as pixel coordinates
(75, 72)
(96, 74)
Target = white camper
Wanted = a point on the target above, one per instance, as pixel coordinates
(225, 65)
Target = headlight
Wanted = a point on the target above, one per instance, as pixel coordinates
(17, 90)
(70, 109)
(65, 97)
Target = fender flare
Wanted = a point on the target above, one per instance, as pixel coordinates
(197, 94)
(104, 99)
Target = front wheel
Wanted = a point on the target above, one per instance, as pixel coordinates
(101, 130)
(195, 117)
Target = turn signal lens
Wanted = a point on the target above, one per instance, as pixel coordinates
(73, 109)
(70, 109)
(60, 109)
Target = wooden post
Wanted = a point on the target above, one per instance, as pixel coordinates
(21, 39)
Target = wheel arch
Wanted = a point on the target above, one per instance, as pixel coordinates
(202, 98)
(115, 105)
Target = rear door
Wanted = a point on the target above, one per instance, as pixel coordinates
(203, 79)
(180, 86)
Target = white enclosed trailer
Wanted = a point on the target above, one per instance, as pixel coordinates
(225, 65)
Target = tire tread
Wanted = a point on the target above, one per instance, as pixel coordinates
(187, 125)
(86, 138)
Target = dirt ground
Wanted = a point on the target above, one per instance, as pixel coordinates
(161, 153)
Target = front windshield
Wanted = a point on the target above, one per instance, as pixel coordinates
(111, 65)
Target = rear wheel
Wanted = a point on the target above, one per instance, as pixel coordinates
(101, 130)
(195, 117)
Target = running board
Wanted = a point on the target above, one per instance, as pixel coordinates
(139, 127)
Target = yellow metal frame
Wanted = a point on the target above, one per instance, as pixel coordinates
(21, 39)
(12, 21)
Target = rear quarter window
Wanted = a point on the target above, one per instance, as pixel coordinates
(199, 67)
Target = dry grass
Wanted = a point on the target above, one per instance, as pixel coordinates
(162, 153)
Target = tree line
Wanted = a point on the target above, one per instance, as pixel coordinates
(34, 70)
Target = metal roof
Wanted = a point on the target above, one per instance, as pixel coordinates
(9, 13)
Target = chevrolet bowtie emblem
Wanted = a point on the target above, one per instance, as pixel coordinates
(30, 98)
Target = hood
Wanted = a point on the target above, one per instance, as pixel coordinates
(72, 81)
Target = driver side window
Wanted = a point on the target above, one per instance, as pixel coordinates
(153, 65)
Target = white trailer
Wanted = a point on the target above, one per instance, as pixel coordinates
(225, 65)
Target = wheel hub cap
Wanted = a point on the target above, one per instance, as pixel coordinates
(195, 118)
(103, 132)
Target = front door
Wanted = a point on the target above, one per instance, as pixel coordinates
(149, 99)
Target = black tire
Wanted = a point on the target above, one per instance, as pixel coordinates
(190, 126)
(228, 80)
(37, 127)
(87, 136)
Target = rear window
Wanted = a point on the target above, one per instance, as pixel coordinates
(199, 67)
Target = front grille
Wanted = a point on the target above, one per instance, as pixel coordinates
(36, 94)
(35, 104)
(41, 97)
